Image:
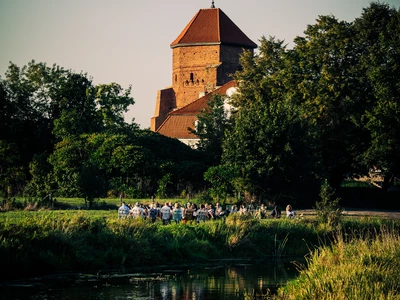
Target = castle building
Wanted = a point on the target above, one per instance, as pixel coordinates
(204, 57)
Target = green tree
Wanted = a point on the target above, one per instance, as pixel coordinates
(270, 147)
(11, 173)
(378, 36)
(222, 178)
(45, 108)
(112, 102)
(329, 91)
(211, 126)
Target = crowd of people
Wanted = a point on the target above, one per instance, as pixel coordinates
(191, 212)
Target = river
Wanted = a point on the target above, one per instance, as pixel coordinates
(218, 280)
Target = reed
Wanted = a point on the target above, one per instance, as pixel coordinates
(356, 266)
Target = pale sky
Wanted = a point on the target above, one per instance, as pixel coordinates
(127, 41)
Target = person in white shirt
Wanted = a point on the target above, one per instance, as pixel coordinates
(137, 211)
(165, 214)
(123, 211)
(290, 213)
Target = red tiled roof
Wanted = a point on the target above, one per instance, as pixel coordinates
(209, 26)
(196, 106)
(176, 126)
(177, 123)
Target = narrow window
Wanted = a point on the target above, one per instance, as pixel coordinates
(191, 77)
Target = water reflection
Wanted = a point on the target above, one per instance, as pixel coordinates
(229, 280)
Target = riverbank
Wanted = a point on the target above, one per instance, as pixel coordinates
(364, 267)
(359, 213)
(53, 241)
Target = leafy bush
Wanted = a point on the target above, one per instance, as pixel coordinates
(328, 209)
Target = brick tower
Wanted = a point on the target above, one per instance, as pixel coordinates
(204, 57)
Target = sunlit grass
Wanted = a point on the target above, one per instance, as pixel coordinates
(359, 266)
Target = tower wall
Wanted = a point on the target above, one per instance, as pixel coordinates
(198, 69)
(230, 63)
(194, 71)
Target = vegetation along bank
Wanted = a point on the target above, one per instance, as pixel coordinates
(37, 242)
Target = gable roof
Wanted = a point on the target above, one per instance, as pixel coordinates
(177, 123)
(212, 26)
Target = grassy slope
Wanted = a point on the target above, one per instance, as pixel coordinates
(364, 267)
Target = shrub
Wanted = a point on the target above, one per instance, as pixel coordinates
(328, 210)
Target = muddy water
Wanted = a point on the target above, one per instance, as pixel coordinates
(220, 280)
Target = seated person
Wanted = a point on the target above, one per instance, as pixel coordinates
(262, 212)
(218, 211)
(290, 213)
(243, 209)
(276, 212)
(123, 211)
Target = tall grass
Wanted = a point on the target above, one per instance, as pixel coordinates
(359, 266)
(33, 241)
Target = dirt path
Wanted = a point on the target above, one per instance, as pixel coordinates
(390, 214)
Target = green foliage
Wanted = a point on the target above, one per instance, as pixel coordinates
(221, 178)
(359, 268)
(212, 124)
(11, 172)
(62, 134)
(328, 210)
(70, 239)
(162, 186)
(269, 147)
(377, 30)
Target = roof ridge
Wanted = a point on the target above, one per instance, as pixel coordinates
(186, 29)
(211, 26)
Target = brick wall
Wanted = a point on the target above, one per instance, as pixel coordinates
(199, 69)
(194, 70)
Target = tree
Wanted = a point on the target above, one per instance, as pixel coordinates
(212, 124)
(42, 106)
(112, 101)
(330, 93)
(378, 37)
(222, 179)
(11, 173)
(270, 148)
(269, 144)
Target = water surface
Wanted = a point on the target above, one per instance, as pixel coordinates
(219, 280)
